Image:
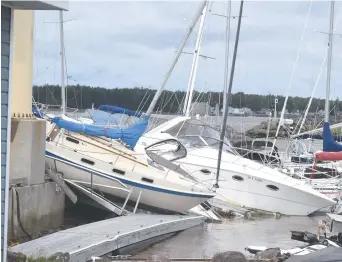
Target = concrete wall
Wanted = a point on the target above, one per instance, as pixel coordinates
(27, 162)
(22, 70)
(5, 65)
(41, 208)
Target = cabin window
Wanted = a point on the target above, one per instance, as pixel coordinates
(205, 171)
(72, 140)
(148, 180)
(87, 161)
(272, 187)
(238, 178)
(118, 171)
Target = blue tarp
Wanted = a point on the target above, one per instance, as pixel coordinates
(120, 110)
(129, 135)
(329, 144)
(36, 112)
(104, 118)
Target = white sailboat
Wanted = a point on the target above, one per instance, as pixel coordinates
(111, 167)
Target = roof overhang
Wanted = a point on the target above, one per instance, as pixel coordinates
(37, 5)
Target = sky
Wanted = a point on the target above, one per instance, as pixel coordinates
(132, 43)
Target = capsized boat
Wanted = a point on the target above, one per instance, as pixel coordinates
(242, 181)
(84, 154)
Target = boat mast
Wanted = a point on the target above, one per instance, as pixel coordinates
(312, 94)
(179, 52)
(226, 66)
(62, 61)
(330, 42)
(192, 78)
(225, 113)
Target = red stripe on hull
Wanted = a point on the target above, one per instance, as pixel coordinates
(329, 156)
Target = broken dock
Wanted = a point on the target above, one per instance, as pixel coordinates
(106, 236)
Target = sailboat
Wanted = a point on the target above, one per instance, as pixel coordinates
(88, 155)
(242, 181)
(332, 151)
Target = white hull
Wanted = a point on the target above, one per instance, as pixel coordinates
(173, 194)
(152, 198)
(256, 186)
(252, 191)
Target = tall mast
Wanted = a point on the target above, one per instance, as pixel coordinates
(331, 31)
(192, 78)
(62, 61)
(225, 113)
(226, 67)
(179, 52)
(312, 94)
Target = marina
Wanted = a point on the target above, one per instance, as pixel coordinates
(199, 181)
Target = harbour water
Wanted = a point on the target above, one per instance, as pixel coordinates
(235, 234)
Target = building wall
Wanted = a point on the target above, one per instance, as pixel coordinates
(5, 76)
(22, 70)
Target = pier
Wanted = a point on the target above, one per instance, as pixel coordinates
(111, 235)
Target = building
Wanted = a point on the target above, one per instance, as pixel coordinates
(17, 27)
(247, 111)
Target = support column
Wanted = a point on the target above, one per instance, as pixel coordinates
(22, 70)
(27, 132)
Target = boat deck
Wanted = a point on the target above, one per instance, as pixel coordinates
(99, 238)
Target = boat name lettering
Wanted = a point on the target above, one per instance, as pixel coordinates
(254, 178)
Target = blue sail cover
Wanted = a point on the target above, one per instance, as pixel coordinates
(129, 135)
(36, 112)
(120, 110)
(104, 118)
(329, 144)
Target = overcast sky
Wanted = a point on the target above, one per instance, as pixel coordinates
(128, 44)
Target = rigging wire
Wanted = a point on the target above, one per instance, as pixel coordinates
(292, 74)
(316, 83)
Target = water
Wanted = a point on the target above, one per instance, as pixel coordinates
(233, 235)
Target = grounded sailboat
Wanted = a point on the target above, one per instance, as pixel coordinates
(101, 158)
(332, 151)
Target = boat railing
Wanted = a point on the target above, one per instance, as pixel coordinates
(266, 159)
(312, 171)
(124, 188)
(212, 210)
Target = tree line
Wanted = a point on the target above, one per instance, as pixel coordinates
(170, 102)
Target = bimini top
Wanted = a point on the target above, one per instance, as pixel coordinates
(129, 135)
(119, 110)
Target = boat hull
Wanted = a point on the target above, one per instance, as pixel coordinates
(262, 194)
(158, 197)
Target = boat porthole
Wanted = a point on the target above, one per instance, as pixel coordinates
(87, 161)
(237, 178)
(72, 140)
(205, 171)
(272, 187)
(148, 180)
(118, 171)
